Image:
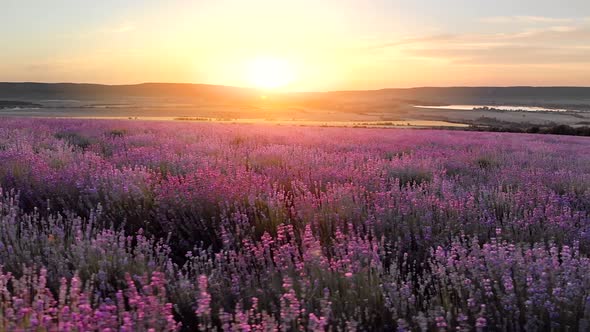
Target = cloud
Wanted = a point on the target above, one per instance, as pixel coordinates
(506, 55)
(416, 40)
(559, 44)
(410, 41)
(525, 19)
(560, 35)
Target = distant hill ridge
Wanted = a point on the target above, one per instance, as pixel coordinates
(28, 91)
(56, 90)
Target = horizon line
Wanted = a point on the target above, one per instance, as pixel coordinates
(279, 91)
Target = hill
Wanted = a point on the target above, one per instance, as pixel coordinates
(38, 91)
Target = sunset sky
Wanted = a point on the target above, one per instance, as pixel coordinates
(317, 45)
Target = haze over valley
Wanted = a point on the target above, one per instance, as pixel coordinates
(417, 106)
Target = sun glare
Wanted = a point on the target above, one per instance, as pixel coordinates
(270, 73)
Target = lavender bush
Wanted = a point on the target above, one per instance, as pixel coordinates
(129, 225)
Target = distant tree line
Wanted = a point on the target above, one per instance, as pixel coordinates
(16, 103)
(553, 130)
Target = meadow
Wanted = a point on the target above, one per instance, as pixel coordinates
(162, 226)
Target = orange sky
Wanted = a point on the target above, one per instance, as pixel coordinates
(327, 45)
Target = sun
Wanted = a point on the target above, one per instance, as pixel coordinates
(270, 73)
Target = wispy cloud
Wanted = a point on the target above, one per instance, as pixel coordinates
(525, 19)
(506, 55)
(415, 40)
(558, 44)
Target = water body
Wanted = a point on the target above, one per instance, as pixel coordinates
(508, 108)
(18, 108)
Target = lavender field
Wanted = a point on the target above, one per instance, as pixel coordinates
(163, 226)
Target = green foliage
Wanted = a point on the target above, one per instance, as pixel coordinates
(410, 176)
(486, 162)
(74, 139)
(117, 133)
